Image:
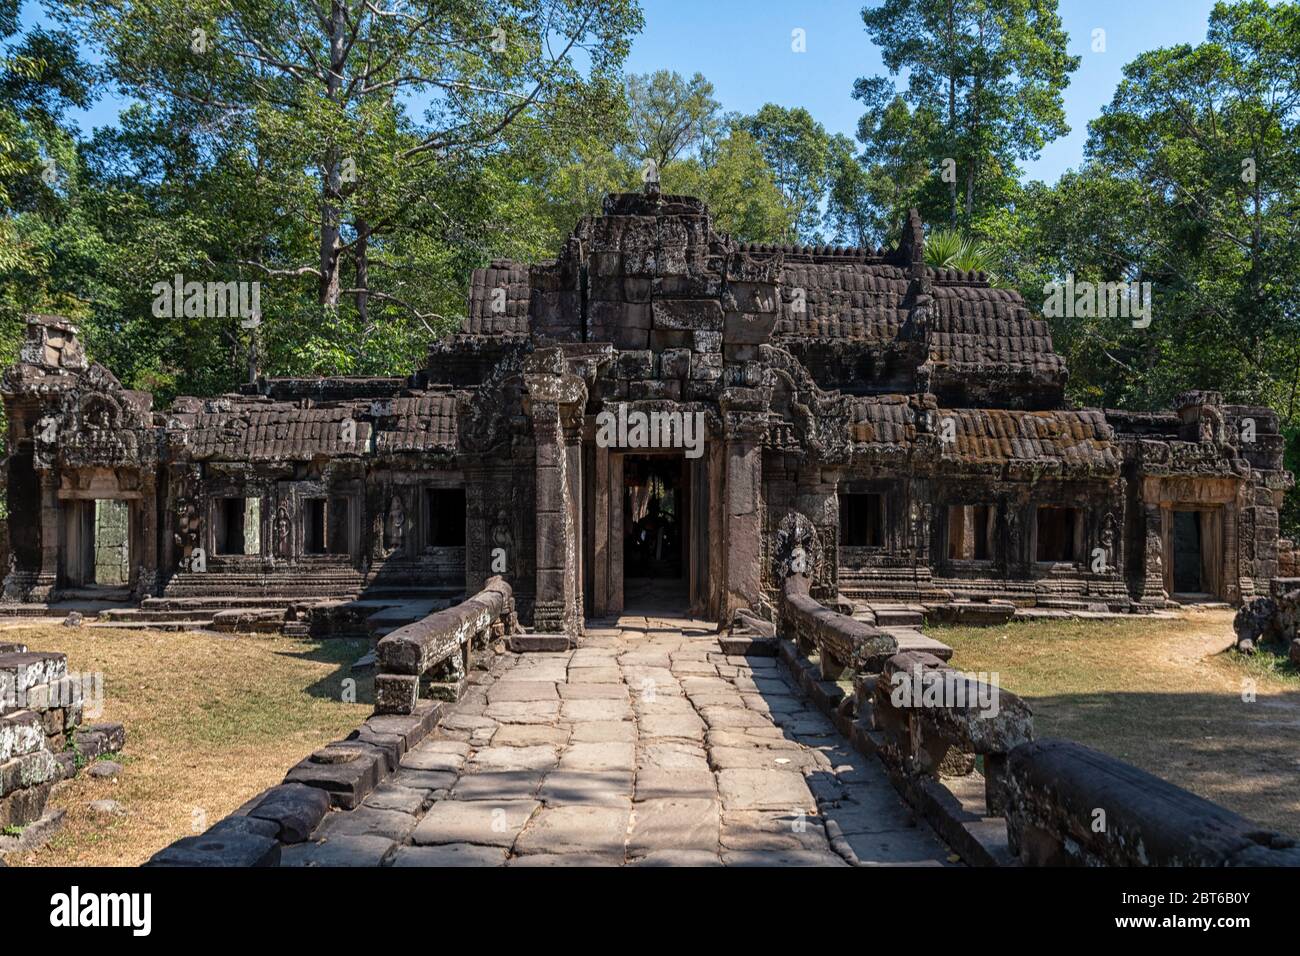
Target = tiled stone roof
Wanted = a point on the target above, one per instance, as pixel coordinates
(847, 300)
(493, 312)
(1079, 439)
(972, 327)
(237, 429)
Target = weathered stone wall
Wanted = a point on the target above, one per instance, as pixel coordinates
(42, 740)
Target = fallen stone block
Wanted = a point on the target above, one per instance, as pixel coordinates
(114, 735)
(294, 808)
(396, 693)
(21, 732)
(224, 848)
(347, 774)
(28, 770)
(22, 671)
(24, 806)
(90, 744)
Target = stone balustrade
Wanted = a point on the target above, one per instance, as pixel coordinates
(1070, 805)
(841, 643)
(961, 751)
(430, 657)
(934, 720)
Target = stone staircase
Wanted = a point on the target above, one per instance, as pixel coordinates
(244, 602)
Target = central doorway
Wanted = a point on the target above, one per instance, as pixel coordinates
(1187, 553)
(656, 537)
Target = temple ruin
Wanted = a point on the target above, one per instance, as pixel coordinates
(915, 416)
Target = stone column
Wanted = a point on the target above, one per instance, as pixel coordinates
(555, 400)
(479, 514)
(601, 534)
(47, 580)
(571, 435)
(1151, 576)
(146, 584)
(744, 422)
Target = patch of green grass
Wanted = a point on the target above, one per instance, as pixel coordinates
(1264, 664)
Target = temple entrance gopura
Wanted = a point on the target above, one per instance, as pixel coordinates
(914, 417)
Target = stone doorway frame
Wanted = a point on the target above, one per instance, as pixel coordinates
(603, 542)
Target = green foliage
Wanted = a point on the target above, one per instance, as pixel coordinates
(798, 150)
(984, 92)
(670, 116)
(949, 249)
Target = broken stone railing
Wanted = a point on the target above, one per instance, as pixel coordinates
(945, 738)
(961, 752)
(1271, 623)
(1070, 805)
(935, 721)
(430, 657)
(423, 668)
(840, 642)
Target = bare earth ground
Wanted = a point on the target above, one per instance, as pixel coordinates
(211, 720)
(1161, 694)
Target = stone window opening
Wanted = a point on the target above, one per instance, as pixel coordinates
(444, 510)
(237, 528)
(971, 530)
(862, 520)
(326, 526)
(1058, 532)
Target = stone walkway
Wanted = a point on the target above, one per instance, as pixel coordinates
(647, 746)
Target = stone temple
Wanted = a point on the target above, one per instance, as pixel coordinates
(914, 416)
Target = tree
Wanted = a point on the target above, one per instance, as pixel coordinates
(733, 177)
(670, 117)
(798, 150)
(985, 79)
(317, 99)
(1192, 184)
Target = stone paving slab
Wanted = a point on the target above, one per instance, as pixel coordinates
(645, 746)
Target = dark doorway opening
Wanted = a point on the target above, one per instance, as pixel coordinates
(444, 510)
(862, 520)
(238, 522)
(655, 523)
(1187, 553)
(1058, 534)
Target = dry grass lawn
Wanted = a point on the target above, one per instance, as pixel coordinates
(210, 721)
(1165, 695)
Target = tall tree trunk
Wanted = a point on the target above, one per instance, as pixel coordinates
(332, 173)
(952, 117)
(363, 270)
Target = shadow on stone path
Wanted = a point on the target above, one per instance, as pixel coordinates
(645, 746)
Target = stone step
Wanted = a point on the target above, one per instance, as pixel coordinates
(911, 639)
(221, 602)
(146, 616)
(898, 615)
(250, 620)
(976, 613)
(202, 624)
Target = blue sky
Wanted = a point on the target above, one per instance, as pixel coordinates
(744, 48)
